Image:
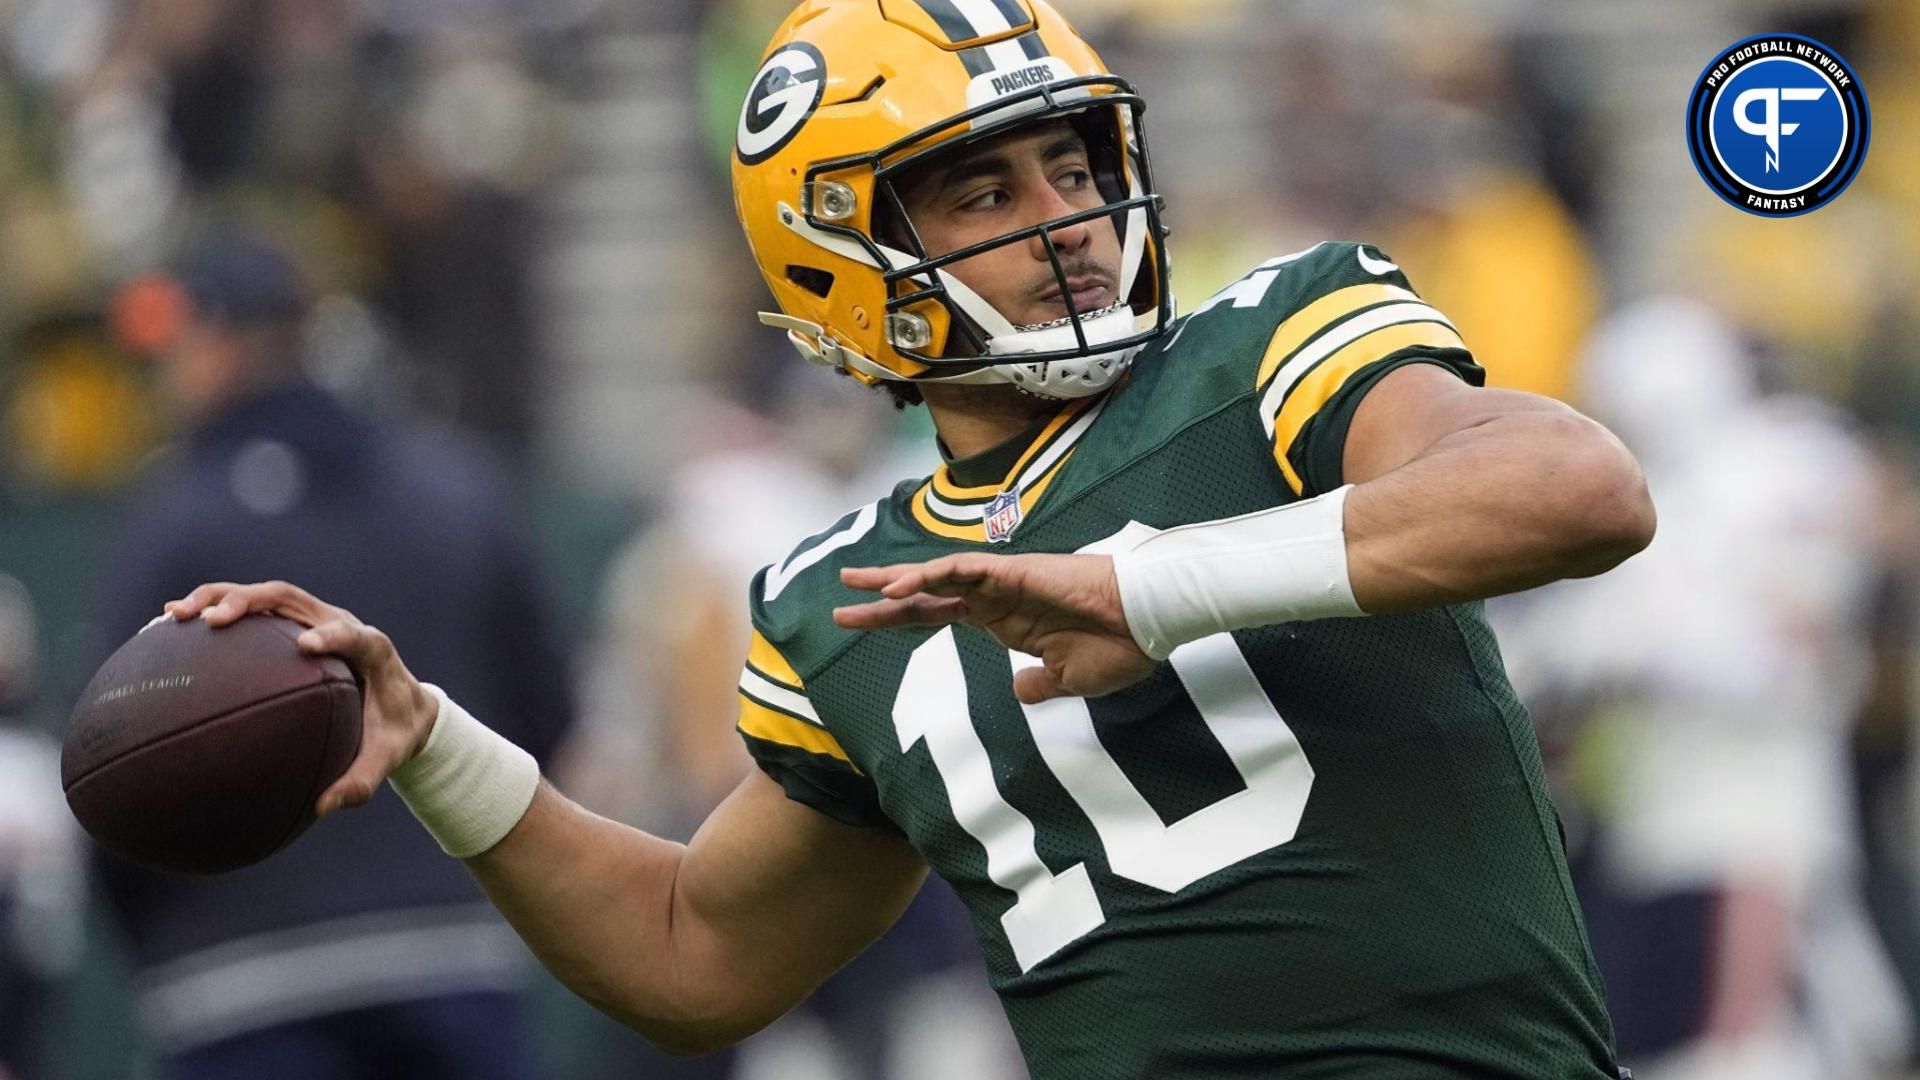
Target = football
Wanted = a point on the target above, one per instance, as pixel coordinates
(196, 750)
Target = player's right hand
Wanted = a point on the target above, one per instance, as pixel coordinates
(397, 712)
(1064, 609)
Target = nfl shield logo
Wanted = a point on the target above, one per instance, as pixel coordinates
(1002, 517)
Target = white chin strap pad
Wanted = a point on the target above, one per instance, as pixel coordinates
(1078, 377)
(1083, 376)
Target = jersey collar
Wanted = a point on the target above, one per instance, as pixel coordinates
(954, 502)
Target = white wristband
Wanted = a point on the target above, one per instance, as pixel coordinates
(469, 786)
(1267, 567)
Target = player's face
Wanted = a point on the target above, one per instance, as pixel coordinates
(1015, 182)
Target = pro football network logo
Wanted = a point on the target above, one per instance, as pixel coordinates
(785, 92)
(1778, 125)
(1002, 516)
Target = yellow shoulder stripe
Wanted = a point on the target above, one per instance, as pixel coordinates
(1318, 386)
(771, 725)
(1294, 331)
(767, 660)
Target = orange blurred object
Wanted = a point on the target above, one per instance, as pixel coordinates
(147, 313)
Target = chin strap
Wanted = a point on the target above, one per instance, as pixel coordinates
(812, 342)
(1058, 379)
(1081, 376)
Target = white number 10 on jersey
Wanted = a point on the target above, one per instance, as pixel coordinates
(1051, 910)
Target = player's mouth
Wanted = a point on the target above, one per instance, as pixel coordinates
(1090, 293)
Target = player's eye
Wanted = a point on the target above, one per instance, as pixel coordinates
(988, 199)
(1074, 179)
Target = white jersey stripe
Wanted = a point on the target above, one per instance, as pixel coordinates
(791, 701)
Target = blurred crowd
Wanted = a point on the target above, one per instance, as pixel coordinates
(243, 240)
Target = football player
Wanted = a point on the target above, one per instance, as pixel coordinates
(1176, 670)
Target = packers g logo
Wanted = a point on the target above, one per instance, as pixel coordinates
(1778, 125)
(785, 92)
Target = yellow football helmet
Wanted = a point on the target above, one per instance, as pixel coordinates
(851, 94)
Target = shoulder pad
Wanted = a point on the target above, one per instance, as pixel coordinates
(1299, 294)
(1221, 344)
(1281, 286)
(1291, 333)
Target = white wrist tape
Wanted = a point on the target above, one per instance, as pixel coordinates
(1268, 567)
(469, 786)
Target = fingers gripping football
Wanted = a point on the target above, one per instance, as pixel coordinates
(223, 602)
(398, 712)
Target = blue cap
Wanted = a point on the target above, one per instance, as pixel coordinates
(236, 278)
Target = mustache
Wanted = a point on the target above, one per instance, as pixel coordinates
(1079, 272)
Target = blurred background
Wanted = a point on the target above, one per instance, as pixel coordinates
(513, 223)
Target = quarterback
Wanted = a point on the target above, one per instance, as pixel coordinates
(1176, 669)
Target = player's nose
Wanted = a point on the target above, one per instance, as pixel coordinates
(1067, 239)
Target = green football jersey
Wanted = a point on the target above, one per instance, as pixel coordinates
(1314, 849)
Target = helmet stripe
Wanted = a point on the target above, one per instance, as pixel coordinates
(1012, 12)
(970, 20)
(952, 21)
(977, 61)
(981, 58)
(1003, 55)
(986, 18)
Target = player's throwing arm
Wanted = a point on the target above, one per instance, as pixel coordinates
(695, 946)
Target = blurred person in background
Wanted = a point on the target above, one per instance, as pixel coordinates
(1884, 737)
(42, 865)
(1467, 207)
(404, 142)
(356, 953)
(1719, 676)
(659, 750)
(1444, 142)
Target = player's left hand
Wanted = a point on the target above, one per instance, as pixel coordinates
(1064, 609)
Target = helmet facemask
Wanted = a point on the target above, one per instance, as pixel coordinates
(934, 320)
